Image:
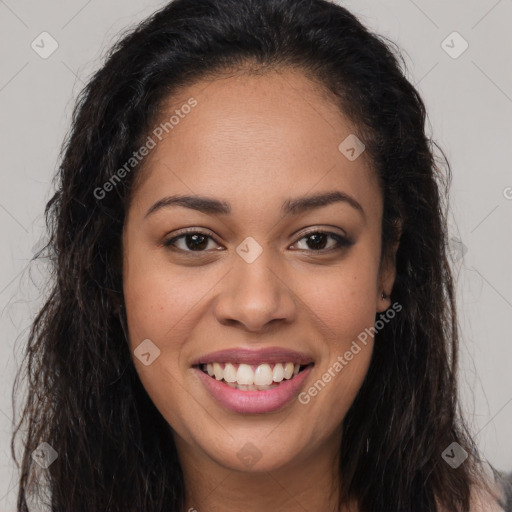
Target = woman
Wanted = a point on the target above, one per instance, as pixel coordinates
(253, 306)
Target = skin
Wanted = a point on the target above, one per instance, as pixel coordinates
(255, 141)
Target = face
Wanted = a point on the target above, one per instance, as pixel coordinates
(258, 269)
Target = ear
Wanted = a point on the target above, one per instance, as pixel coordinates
(387, 277)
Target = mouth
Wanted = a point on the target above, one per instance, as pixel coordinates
(247, 381)
(253, 377)
(250, 388)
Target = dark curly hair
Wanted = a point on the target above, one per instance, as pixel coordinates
(84, 398)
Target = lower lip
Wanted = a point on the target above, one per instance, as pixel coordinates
(254, 402)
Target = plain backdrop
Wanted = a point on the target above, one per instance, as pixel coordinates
(468, 95)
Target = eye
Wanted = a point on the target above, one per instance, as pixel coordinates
(318, 240)
(198, 241)
(193, 241)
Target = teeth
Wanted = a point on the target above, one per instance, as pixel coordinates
(288, 370)
(230, 373)
(278, 374)
(219, 372)
(263, 375)
(244, 387)
(243, 376)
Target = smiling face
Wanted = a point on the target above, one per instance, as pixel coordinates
(264, 266)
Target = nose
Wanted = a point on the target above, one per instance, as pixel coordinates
(255, 295)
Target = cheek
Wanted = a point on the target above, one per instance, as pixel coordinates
(343, 299)
(162, 305)
(343, 305)
(345, 310)
(162, 300)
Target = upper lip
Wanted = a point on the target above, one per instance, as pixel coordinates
(248, 356)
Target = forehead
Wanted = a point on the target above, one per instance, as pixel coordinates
(249, 136)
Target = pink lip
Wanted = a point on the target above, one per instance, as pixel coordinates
(254, 402)
(243, 355)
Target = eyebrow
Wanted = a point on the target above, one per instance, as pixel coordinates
(295, 206)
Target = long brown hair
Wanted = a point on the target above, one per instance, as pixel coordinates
(115, 451)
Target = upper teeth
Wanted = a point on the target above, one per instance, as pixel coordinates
(263, 374)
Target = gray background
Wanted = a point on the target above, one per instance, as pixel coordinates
(469, 100)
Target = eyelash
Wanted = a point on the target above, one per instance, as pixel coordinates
(341, 241)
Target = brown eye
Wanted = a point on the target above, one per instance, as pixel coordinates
(317, 241)
(193, 241)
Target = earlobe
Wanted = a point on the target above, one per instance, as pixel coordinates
(382, 302)
(387, 279)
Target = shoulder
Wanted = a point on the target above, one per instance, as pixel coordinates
(496, 498)
(492, 493)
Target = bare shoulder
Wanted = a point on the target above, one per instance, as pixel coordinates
(498, 498)
(493, 494)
